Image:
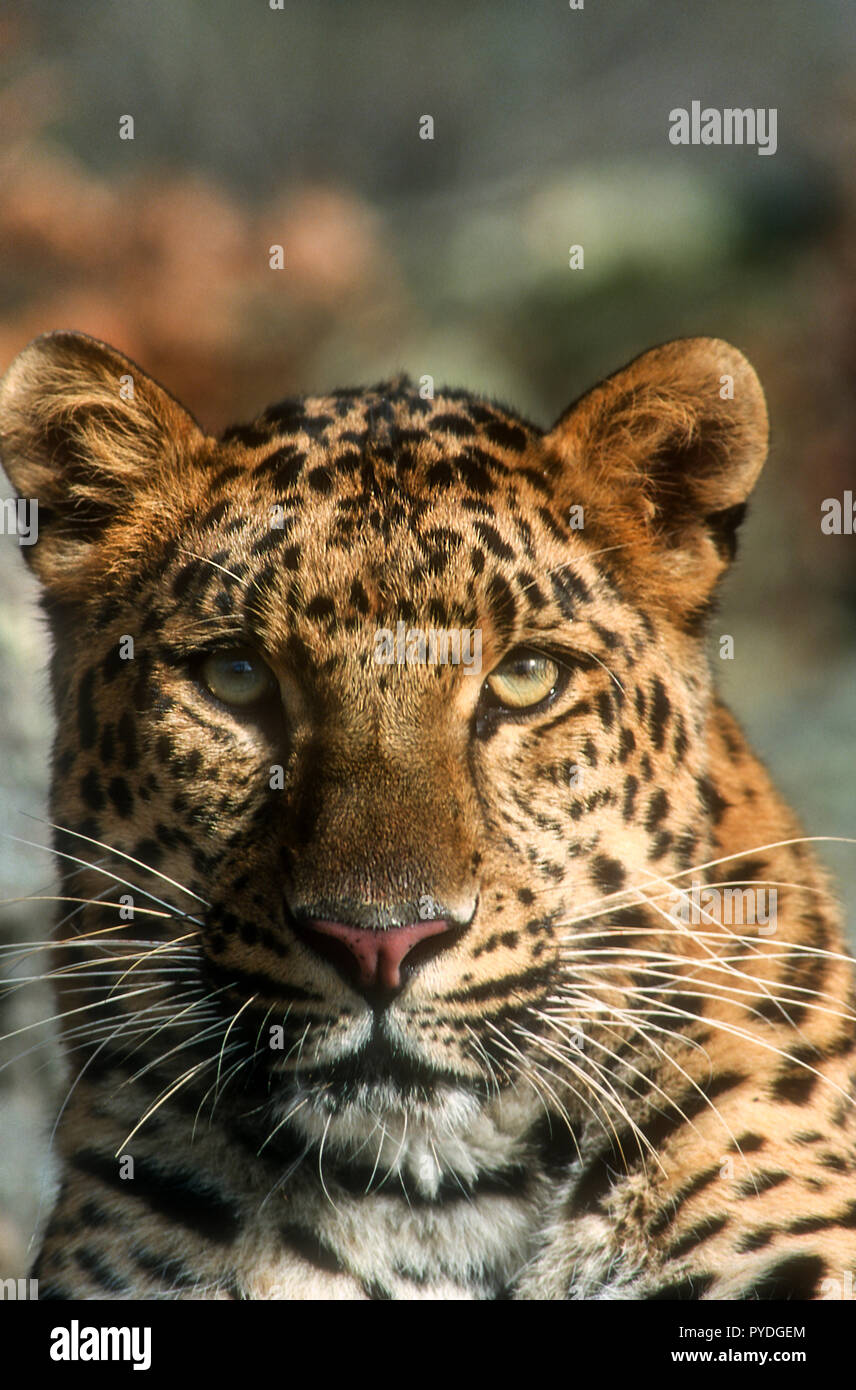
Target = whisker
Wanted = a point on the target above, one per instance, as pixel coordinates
(89, 864)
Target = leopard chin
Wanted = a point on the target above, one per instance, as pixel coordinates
(417, 1137)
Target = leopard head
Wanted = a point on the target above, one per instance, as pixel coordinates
(384, 717)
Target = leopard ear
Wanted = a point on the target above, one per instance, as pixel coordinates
(663, 456)
(86, 435)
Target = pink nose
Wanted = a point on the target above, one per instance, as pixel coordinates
(373, 957)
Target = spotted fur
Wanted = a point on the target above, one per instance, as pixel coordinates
(580, 1095)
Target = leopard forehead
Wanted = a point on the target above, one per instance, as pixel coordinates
(384, 470)
(331, 515)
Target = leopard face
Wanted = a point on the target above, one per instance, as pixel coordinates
(386, 739)
(256, 743)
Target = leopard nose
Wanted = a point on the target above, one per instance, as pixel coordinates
(378, 960)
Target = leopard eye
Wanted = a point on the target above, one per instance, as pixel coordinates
(237, 677)
(523, 680)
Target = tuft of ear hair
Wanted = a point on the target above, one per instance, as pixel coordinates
(663, 455)
(91, 437)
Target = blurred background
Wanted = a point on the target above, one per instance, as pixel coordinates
(300, 126)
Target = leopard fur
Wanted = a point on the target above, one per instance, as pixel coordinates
(575, 1094)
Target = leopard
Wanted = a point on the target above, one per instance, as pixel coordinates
(427, 927)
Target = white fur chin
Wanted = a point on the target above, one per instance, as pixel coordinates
(454, 1135)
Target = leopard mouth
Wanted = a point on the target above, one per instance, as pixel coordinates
(380, 1068)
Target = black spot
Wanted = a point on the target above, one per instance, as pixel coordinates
(321, 480)
(795, 1277)
(696, 1184)
(747, 1143)
(626, 745)
(359, 597)
(658, 809)
(755, 1239)
(376, 1291)
(681, 743)
(250, 435)
(458, 425)
(49, 1290)
(183, 580)
(321, 607)
(120, 794)
(569, 591)
(112, 664)
(535, 479)
(794, 1085)
(211, 518)
(317, 425)
(662, 844)
(609, 875)
(91, 791)
(226, 475)
(493, 540)
(703, 1230)
(807, 1225)
(93, 1215)
(660, 711)
(257, 591)
(531, 591)
(713, 803)
(127, 732)
(100, 1272)
(439, 474)
(290, 557)
(87, 720)
(807, 1136)
(286, 463)
(65, 761)
(149, 853)
(503, 606)
(271, 540)
(107, 744)
(169, 1271)
(604, 707)
(836, 1162)
(474, 474)
(509, 436)
(757, 1183)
